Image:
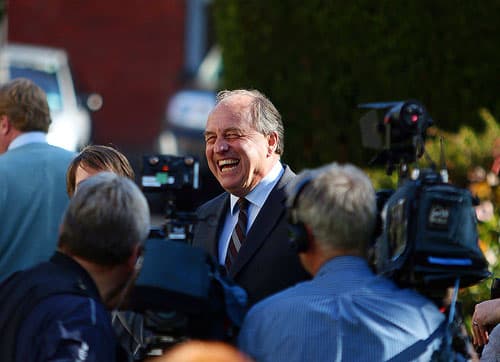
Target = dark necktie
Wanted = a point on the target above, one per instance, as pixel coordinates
(239, 233)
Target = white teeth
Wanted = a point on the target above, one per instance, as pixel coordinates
(227, 162)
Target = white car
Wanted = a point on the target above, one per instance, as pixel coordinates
(49, 69)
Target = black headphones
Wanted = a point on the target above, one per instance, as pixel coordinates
(297, 232)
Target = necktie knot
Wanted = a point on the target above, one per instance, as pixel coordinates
(242, 205)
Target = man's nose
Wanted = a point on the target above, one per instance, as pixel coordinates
(221, 145)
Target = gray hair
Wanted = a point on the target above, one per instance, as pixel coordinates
(339, 205)
(265, 117)
(105, 220)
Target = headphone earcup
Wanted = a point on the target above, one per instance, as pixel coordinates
(297, 235)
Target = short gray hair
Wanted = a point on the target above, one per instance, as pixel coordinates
(339, 205)
(265, 117)
(105, 220)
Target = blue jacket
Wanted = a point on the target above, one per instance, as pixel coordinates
(54, 312)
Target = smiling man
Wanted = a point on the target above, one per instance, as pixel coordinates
(244, 144)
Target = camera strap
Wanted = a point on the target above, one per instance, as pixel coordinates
(419, 347)
(444, 331)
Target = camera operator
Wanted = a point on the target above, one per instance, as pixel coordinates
(57, 310)
(345, 312)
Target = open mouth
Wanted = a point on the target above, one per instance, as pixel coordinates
(227, 164)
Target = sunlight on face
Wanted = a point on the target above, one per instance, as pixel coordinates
(237, 154)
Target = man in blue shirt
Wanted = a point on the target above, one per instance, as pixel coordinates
(346, 312)
(58, 310)
(32, 178)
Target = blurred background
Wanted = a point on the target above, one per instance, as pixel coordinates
(145, 73)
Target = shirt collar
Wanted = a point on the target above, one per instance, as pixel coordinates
(28, 137)
(260, 192)
(341, 264)
(81, 275)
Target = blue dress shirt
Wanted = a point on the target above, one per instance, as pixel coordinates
(256, 199)
(346, 313)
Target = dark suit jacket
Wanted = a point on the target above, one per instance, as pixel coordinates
(265, 263)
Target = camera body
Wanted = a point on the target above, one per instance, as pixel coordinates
(429, 236)
(400, 134)
(171, 184)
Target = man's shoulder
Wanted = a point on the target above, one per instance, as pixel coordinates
(211, 204)
(35, 151)
(72, 306)
(68, 325)
(57, 151)
(284, 301)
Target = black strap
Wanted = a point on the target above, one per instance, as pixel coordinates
(420, 346)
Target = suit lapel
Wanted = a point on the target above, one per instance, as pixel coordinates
(212, 221)
(269, 216)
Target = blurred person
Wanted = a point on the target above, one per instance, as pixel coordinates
(93, 159)
(202, 351)
(32, 175)
(346, 312)
(244, 139)
(491, 350)
(57, 309)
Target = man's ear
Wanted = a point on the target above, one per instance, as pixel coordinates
(136, 258)
(311, 241)
(272, 143)
(5, 125)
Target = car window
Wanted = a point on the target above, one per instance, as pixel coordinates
(45, 80)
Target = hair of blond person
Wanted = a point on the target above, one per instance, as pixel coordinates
(202, 351)
(98, 158)
(339, 205)
(264, 116)
(25, 105)
(105, 220)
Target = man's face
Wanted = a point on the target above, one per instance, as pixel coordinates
(83, 174)
(237, 154)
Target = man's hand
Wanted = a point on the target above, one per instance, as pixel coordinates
(486, 315)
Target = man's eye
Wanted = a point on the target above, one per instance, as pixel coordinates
(209, 139)
(232, 135)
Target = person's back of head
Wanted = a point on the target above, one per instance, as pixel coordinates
(98, 158)
(338, 203)
(105, 220)
(25, 105)
(203, 351)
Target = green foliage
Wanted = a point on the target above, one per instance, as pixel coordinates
(317, 60)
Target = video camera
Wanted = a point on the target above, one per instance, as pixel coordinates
(179, 293)
(175, 180)
(427, 237)
(428, 234)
